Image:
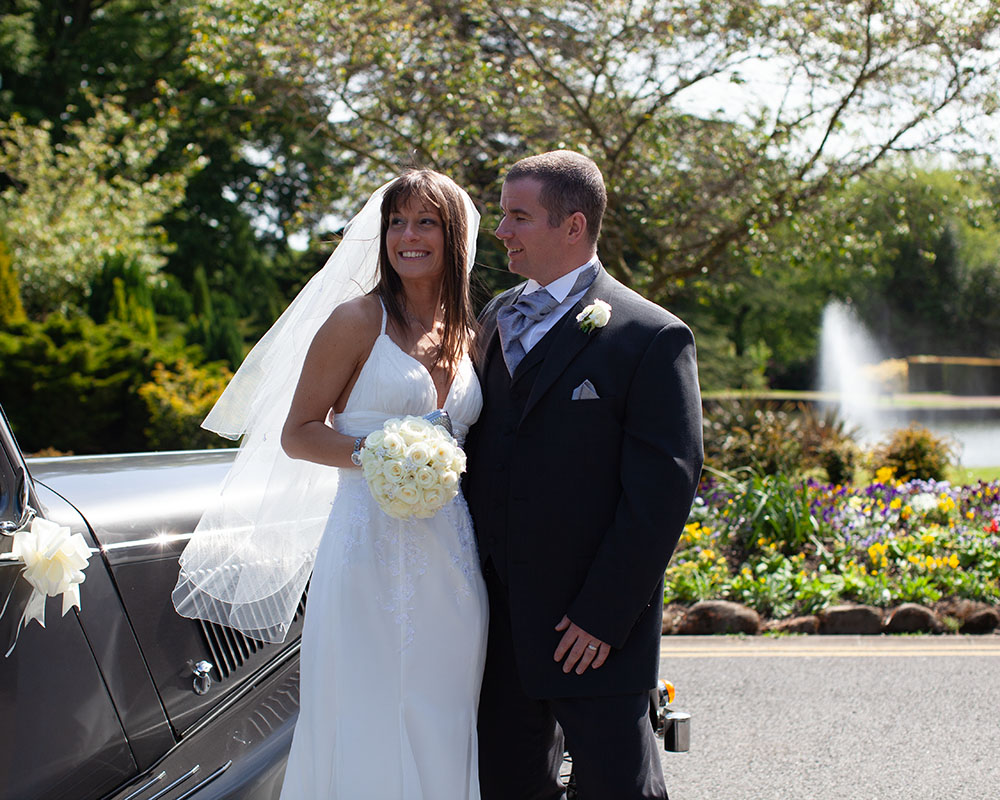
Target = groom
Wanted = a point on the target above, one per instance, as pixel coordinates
(582, 469)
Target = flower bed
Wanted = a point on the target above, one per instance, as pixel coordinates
(787, 548)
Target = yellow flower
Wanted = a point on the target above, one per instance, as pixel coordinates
(953, 561)
(927, 538)
(884, 474)
(970, 514)
(707, 555)
(896, 503)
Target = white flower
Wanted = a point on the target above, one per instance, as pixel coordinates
(923, 502)
(393, 444)
(418, 453)
(54, 561)
(594, 316)
(426, 477)
(421, 477)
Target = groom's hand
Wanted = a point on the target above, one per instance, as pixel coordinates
(583, 649)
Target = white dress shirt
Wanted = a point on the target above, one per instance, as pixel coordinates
(559, 289)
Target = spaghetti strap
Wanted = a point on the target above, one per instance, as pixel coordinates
(384, 316)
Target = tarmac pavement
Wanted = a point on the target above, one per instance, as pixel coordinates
(836, 717)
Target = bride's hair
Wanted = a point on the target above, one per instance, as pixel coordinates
(443, 194)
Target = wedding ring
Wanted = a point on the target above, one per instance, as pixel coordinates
(591, 647)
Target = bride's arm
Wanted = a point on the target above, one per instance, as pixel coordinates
(332, 364)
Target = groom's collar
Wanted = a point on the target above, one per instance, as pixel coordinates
(559, 288)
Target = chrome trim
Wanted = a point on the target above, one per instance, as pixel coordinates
(177, 782)
(162, 538)
(190, 792)
(146, 785)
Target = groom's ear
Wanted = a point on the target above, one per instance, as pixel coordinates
(576, 230)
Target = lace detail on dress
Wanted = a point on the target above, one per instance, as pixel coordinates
(466, 558)
(400, 551)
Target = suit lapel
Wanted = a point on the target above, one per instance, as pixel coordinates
(569, 340)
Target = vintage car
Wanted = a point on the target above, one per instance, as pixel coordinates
(122, 699)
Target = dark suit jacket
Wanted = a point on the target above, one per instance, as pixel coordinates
(599, 490)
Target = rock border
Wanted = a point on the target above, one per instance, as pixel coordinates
(709, 617)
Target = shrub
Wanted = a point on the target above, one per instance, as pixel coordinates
(71, 384)
(791, 439)
(914, 452)
(741, 434)
(178, 400)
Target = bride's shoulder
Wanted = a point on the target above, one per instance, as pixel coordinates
(354, 324)
(360, 315)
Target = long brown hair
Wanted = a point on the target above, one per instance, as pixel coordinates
(443, 194)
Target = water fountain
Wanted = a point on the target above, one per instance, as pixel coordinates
(846, 347)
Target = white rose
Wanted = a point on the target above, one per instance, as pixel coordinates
(596, 315)
(418, 453)
(393, 444)
(374, 440)
(434, 498)
(413, 429)
(371, 467)
(408, 492)
(426, 477)
(449, 479)
(394, 471)
(398, 509)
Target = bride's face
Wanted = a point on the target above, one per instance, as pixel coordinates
(414, 241)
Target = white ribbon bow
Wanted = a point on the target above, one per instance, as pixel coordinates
(54, 561)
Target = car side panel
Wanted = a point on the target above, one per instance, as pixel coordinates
(55, 710)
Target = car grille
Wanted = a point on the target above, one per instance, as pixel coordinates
(230, 649)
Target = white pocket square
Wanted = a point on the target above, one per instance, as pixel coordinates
(585, 391)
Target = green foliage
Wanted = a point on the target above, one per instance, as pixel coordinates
(178, 400)
(121, 291)
(11, 308)
(914, 452)
(70, 205)
(71, 384)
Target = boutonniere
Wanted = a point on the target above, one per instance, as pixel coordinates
(594, 316)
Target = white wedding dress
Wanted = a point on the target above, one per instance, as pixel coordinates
(394, 637)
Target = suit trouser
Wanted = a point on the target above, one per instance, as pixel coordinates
(521, 739)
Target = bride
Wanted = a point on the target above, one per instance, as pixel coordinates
(393, 641)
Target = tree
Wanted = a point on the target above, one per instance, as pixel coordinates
(71, 205)
(11, 308)
(58, 55)
(694, 191)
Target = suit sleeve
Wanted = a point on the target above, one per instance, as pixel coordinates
(661, 462)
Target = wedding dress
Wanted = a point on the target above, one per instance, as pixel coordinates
(394, 637)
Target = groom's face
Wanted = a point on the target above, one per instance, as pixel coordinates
(534, 248)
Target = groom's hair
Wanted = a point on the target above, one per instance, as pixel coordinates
(571, 182)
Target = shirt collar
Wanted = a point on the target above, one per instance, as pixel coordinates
(559, 288)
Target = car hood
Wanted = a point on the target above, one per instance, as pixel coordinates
(138, 505)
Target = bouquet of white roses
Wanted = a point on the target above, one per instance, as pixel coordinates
(412, 467)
